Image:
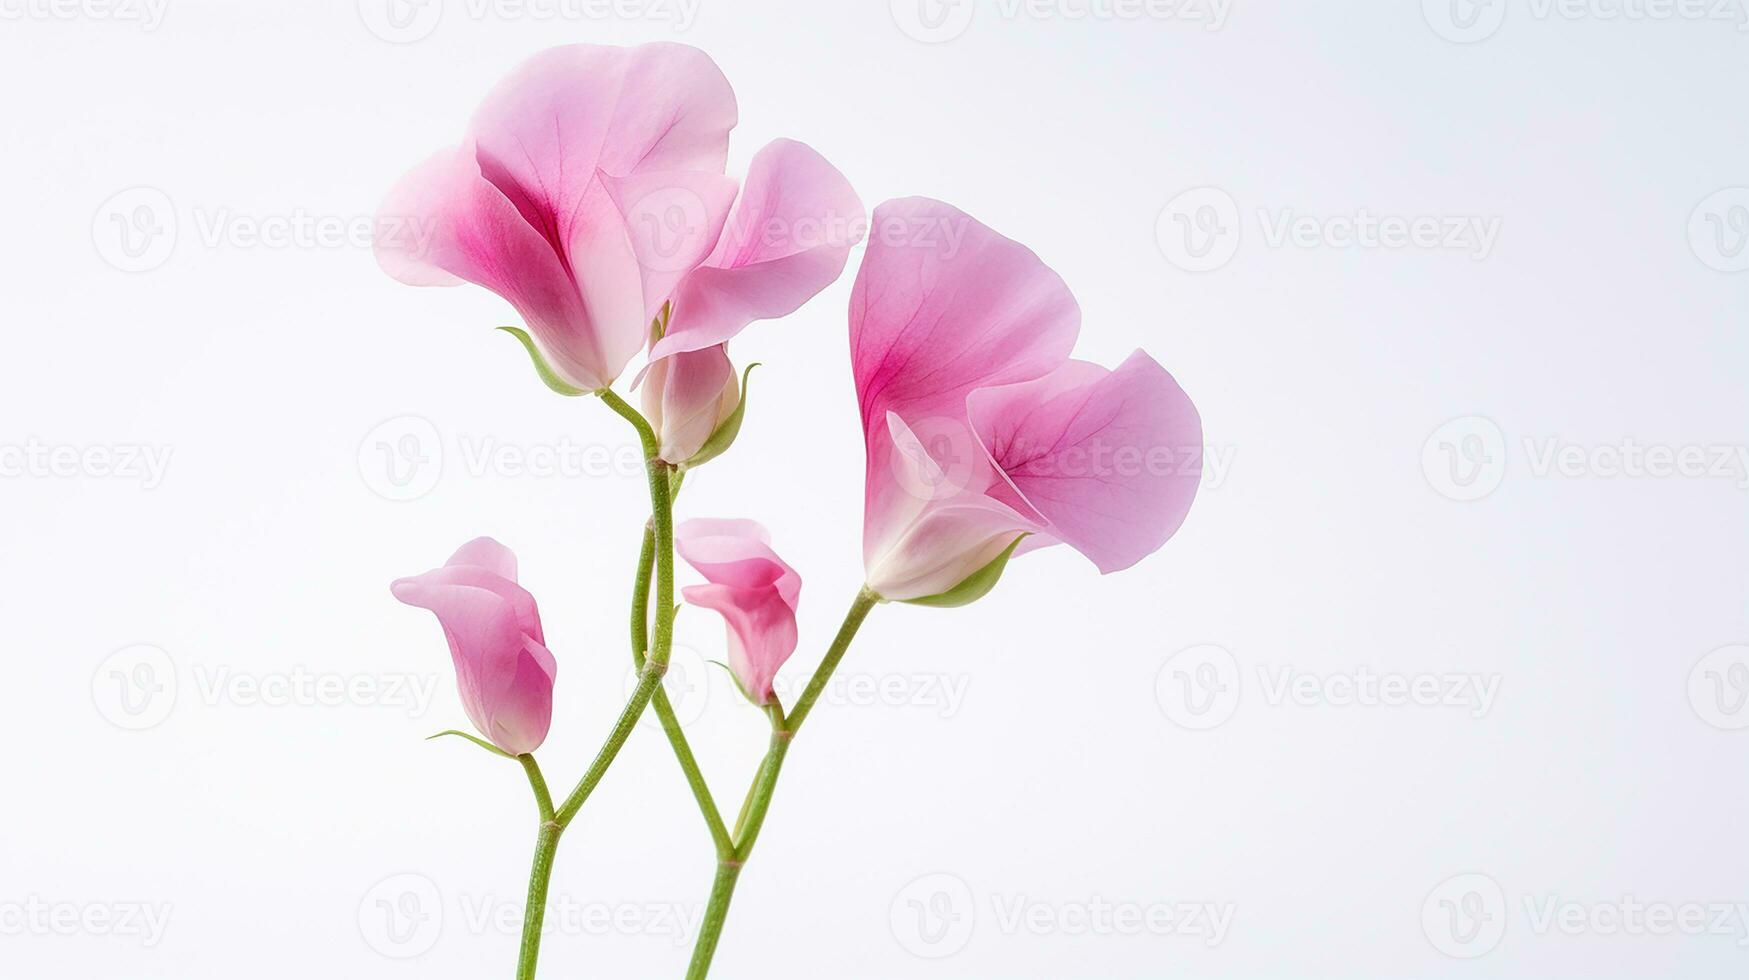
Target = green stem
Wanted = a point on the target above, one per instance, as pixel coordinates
(701, 792)
(546, 845)
(865, 601)
(758, 801)
(656, 664)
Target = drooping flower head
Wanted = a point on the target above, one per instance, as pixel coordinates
(983, 438)
(502, 667)
(754, 591)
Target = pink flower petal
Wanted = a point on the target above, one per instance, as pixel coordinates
(754, 591)
(1109, 459)
(503, 670)
(789, 237)
(942, 306)
(687, 396)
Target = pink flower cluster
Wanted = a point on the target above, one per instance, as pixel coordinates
(589, 192)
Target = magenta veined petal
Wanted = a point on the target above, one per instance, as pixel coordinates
(1110, 460)
(942, 306)
(525, 206)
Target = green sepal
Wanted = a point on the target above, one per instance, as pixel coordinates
(724, 437)
(731, 672)
(482, 743)
(975, 586)
(541, 367)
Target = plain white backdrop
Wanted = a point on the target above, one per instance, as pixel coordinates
(1445, 675)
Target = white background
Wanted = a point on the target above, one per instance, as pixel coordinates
(1070, 774)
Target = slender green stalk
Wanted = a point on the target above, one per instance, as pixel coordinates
(546, 845)
(658, 551)
(656, 664)
(665, 711)
(758, 801)
(865, 601)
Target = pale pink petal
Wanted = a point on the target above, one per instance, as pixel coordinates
(942, 306)
(729, 552)
(789, 237)
(761, 629)
(942, 525)
(486, 553)
(571, 111)
(1110, 459)
(686, 397)
(504, 672)
(673, 219)
(753, 589)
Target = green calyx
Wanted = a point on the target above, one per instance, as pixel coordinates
(975, 586)
(547, 375)
(724, 436)
(482, 743)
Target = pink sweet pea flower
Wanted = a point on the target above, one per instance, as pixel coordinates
(754, 591)
(563, 197)
(980, 431)
(502, 666)
(789, 237)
